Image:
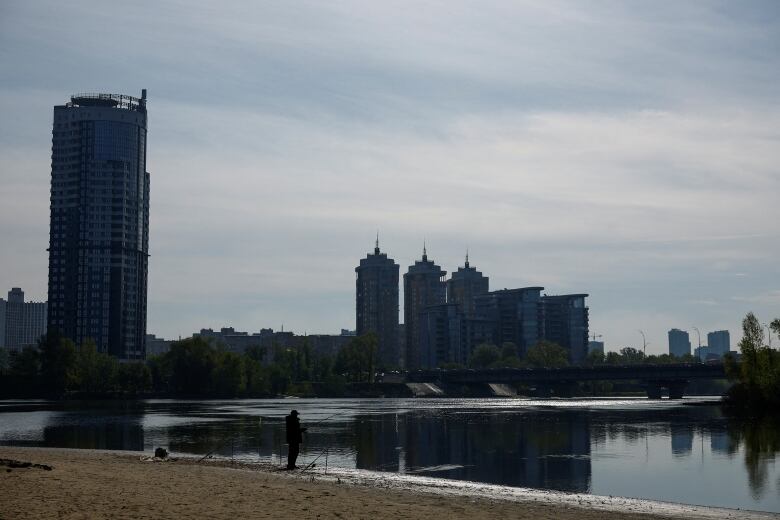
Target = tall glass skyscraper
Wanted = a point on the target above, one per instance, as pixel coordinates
(99, 222)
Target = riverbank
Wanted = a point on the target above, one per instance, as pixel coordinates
(102, 484)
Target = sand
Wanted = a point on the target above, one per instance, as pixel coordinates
(102, 484)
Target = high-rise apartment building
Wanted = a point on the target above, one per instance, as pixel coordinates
(423, 286)
(464, 286)
(679, 343)
(442, 336)
(516, 314)
(376, 304)
(21, 323)
(566, 323)
(719, 342)
(99, 222)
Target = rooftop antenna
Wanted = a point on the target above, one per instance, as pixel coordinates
(425, 252)
(467, 256)
(376, 246)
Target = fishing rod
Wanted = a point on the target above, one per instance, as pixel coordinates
(326, 418)
(219, 447)
(311, 464)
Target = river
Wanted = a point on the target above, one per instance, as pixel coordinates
(660, 450)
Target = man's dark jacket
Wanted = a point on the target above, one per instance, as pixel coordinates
(294, 433)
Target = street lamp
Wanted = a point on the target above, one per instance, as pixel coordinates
(644, 343)
(698, 333)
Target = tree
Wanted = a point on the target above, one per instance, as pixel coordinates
(758, 374)
(357, 359)
(134, 378)
(97, 371)
(632, 356)
(750, 345)
(5, 361)
(546, 354)
(25, 372)
(484, 356)
(775, 326)
(59, 364)
(595, 357)
(192, 362)
(229, 377)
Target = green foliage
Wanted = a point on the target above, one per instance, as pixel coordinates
(595, 357)
(97, 371)
(758, 374)
(356, 361)
(547, 354)
(5, 361)
(229, 375)
(484, 356)
(632, 356)
(59, 365)
(134, 378)
(775, 326)
(56, 369)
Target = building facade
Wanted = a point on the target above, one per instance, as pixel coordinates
(516, 315)
(566, 323)
(596, 346)
(99, 223)
(719, 342)
(464, 286)
(442, 336)
(21, 323)
(424, 286)
(679, 343)
(376, 304)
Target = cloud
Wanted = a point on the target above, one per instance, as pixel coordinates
(627, 152)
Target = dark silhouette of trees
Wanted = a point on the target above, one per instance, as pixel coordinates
(484, 356)
(546, 354)
(757, 376)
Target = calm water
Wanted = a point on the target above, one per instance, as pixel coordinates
(629, 447)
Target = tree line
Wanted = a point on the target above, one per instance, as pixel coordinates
(546, 354)
(192, 367)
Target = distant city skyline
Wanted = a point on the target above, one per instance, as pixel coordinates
(629, 152)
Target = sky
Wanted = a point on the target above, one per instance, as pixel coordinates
(628, 150)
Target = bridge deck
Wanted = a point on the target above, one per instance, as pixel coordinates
(570, 374)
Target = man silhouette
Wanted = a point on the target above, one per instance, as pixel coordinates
(294, 438)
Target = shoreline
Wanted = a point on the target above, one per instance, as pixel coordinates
(103, 484)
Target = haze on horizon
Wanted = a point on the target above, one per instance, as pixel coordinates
(625, 150)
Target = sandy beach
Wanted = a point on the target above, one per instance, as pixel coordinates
(101, 484)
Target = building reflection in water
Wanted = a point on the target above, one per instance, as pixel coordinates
(540, 447)
(123, 433)
(682, 439)
(529, 449)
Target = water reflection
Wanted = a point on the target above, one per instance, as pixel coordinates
(761, 441)
(636, 449)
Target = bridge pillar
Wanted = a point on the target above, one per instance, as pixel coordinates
(677, 389)
(653, 390)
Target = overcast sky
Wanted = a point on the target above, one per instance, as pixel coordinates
(629, 150)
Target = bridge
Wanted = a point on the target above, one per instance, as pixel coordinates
(653, 377)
